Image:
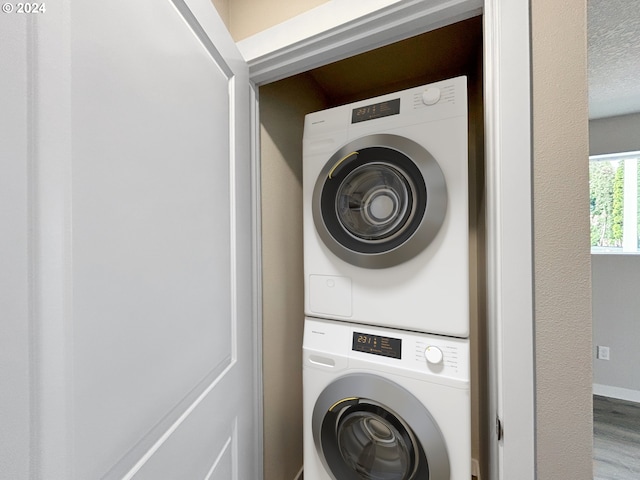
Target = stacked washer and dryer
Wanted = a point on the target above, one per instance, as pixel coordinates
(386, 263)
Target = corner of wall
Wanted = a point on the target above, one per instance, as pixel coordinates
(561, 240)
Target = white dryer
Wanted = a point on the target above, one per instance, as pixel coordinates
(385, 190)
(384, 404)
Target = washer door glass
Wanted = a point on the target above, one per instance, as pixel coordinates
(374, 202)
(366, 427)
(364, 440)
(379, 201)
(375, 444)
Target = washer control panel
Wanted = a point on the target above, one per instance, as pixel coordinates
(442, 93)
(396, 349)
(440, 354)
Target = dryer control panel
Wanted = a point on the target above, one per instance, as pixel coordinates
(398, 351)
(376, 110)
(435, 101)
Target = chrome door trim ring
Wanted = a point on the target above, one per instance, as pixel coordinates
(432, 218)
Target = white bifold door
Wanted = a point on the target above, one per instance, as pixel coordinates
(139, 258)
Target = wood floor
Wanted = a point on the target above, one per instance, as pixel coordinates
(616, 439)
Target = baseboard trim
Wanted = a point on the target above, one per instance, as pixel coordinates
(616, 392)
(299, 475)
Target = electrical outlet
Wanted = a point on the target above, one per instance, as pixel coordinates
(602, 353)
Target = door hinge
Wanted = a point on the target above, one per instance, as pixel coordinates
(499, 429)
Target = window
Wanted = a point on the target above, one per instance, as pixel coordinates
(614, 203)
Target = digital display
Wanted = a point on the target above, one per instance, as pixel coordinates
(377, 345)
(377, 110)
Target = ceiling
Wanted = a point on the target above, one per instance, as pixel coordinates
(614, 57)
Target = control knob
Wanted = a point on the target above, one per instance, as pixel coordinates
(433, 355)
(431, 96)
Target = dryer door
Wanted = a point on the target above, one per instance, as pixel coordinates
(366, 427)
(379, 201)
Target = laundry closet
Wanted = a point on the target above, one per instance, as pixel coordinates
(437, 55)
(68, 205)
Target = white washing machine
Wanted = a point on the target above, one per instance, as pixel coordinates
(384, 404)
(385, 190)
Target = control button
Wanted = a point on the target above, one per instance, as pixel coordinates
(431, 96)
(433, 354)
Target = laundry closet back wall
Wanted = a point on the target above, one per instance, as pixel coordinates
(282, 108)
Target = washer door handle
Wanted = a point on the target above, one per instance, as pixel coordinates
(337, 164)
(347, 401)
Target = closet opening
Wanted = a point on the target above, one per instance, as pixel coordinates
(447, 52)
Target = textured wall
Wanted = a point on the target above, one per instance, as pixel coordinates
(614, 52)
(561, 240)
(282, 109)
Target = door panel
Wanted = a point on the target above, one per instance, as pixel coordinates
(203, 445)
(151, 222)
(157, 246)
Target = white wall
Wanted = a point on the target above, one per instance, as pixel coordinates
(615, 280)
(616, 324)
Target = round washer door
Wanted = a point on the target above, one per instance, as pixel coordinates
(379, 201)
(366, 427)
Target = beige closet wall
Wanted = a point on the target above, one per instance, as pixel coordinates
(222, 6)
(561, 240)
(248, 17)
(282, 109)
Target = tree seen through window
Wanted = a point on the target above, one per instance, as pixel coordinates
(609, 190)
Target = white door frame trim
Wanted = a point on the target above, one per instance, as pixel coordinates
(509, 160)
(508, 180)
(362, 31)
(256, 239)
